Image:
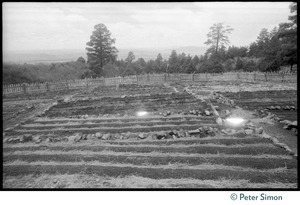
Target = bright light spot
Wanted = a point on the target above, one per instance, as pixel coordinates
(141, 113)
(235, 120)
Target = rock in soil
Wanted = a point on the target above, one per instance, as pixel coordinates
(223, 132)
(142, 136)
(227, 113)
(294, 123)
(49, 139)
(248, 131)
(26, 138)
(37, 139)
(161, 135)
(99, 135)
(201, 129)
(181, 133)
(290, 126)
(207, 112)
(286, 122)
(78, 137)
(219, 121)
(75, 138)
(106, 136)
(194, 132)
(168, 136)
(84, 137)
(259, 130)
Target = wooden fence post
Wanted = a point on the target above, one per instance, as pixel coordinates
(254, 76)
(137, 79)
(67, 86)
(282, 77)
(48, 87)
(206, 76)
(24, 88)
(266, 76)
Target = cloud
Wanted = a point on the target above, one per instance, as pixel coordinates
(69, 25)
(37, 25)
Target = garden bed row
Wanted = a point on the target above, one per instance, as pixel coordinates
(251, 149)
(288, 176)
(130, 158)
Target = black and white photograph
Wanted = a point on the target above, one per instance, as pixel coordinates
(150, 96)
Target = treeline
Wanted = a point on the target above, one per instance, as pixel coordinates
(269, 52)
(32, 73)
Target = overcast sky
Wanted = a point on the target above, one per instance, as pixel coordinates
(30, 26)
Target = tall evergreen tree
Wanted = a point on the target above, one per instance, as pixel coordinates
(100, 50)
(288, 36)
(218, 36)
(130, 57)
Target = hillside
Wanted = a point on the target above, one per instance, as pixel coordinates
(51, 56)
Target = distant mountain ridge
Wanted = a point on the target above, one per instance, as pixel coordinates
(55, 56)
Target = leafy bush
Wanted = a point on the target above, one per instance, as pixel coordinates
(30, 73)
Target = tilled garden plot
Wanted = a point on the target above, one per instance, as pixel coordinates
(129, 127)
(175, 102)
(18, 107)
(284, 102)
(126, 89)
(177, 145)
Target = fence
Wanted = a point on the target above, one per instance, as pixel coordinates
(148, 79)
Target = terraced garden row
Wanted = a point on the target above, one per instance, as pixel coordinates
(265, 99)
(128, 105)
(128, 89)
(254, 160)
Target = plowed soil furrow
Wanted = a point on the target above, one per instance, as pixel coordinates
(153, 98)
(194, 140)
(112, 129)
(115, 124)
(101, 102)
(217, 141)
(287, 176)
(199, 149)
(95, 181)
(127, 119)
(263, 94)
(258, 163)
(255, 105)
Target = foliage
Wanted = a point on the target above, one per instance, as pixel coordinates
(30, 73)
(217, 37)
(234, 52)
(229, 65)
(100, 50)
(239, 64)
(288, 36)
(81, 60)
(130, 57)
